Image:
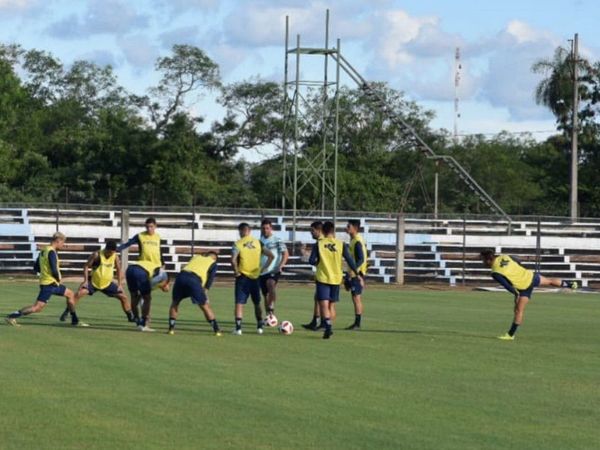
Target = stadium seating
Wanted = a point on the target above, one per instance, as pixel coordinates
(433, 249)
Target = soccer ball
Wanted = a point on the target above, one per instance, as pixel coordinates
(271, 320)
(286, 327)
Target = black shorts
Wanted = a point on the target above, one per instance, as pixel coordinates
(262, 280)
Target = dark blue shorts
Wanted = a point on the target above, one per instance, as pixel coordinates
(246, 287)
(48, 290)
(329, 292)
(112, 290)
(353, 285)
(262, 280)
(189, 285)
(137, 280)
(529, 291)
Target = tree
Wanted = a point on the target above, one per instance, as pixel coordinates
(183, 73)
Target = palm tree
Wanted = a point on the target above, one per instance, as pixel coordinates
(555, 91)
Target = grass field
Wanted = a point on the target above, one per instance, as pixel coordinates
(425, 372)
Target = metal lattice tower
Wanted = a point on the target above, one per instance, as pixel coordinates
(311, 108)
(315, 174)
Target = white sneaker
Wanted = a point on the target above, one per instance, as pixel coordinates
(146, 329)
(80, 324)
(260, 331)
(237, 332)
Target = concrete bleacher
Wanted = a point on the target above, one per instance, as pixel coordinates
(433, 249)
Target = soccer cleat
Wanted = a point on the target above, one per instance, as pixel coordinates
(218, 333)
(237, 332)
(354, 326)
(80, 324)
(260, 330)
(64, 315)
(310, 326)
(506, 337)
(11, 322)
(171, 332)
(574, 285)
(327, 334)
(146, 329)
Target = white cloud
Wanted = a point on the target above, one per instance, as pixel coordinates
(138, 50)
(100, 16)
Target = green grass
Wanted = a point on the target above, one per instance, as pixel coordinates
(426, 372)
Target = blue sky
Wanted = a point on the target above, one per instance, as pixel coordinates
(409, 44)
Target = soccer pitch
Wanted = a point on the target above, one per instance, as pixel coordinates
(425, 372)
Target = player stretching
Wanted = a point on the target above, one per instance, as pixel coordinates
(316, 231)
(516, 279)
(103, 264)
(352, 282)
(245, 260)
(48, 266)
(327, 256)
(270, 276)
(139, 281)
(194, 280)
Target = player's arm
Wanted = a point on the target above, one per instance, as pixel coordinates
(270, 257)
(162, 256)
(285, 255)
(518, 261)
(133, 241)
(36, 264)
(212, 273)
(119, 272)
(235, 253)
(360, 256)
(350, 260)
(53, 260)
(505, 283)
(87, 266)
(313, 259)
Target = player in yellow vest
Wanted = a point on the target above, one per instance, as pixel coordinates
(246, 262)
(148, 243)
(327, 255)
(102, 265)
(519, 281)
(194, 281)
(139, 277)
(48, 266)
(316, 231)
(352, 282)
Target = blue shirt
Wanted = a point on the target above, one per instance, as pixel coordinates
(277, 247)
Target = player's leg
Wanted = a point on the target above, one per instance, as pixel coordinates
(556, 282)
(113, 291)
(144, 323)
(173, 313)
(135, 305)
(81, 292)
(519, 311)
(356, 290)
(314, 323)
(255, 295)
(325, 309)
(241, 295)
(38, 306)
(209, 315)
(70, 296)
(271, 295)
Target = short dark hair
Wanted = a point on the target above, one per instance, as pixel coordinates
(328, 227)
(150, 220)
(487, 254)
(355, 223)
(212, 252)
(111, 246)
(317, 225)
(266, 222)
(243, 226)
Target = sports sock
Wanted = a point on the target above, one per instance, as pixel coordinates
(142, 322)
(270, 310)
(130, 316)
(74, 318)
(215, 325)
(238, 323)
(327, 324)
(513, 329)
(172, 323)
(15, 315)
(357, 319)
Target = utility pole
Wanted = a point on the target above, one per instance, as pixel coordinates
(574, 154)
(457, 70)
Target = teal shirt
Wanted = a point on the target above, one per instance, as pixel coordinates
(277, 247)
